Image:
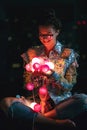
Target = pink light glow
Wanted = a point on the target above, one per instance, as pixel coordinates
(29, 86)
(40, 64)
(32, 105)
(37, 60)
(27, 67)
(43, 90)
(37, 107)
(36, 66)
(45, 68)
(50, 64)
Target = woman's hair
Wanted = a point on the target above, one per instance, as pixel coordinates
(47, 17)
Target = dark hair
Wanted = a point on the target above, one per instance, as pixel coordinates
(48, 17)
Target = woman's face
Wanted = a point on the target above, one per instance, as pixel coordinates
(48, 36)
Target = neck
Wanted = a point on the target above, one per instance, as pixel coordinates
(49, 49)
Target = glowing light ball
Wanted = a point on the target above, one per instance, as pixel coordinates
(50, 64)
(37, 107)
(35, 60)
(32, 105)
(43, 90)
(36, 66)
(45, 68)
(29, 86)
(27, 67)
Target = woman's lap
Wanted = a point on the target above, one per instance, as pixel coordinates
(72, 106)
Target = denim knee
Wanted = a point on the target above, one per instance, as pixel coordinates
(82, 98)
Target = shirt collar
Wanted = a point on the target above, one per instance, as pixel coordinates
(58, 47)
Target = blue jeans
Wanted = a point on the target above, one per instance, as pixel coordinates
(72, 107)
(21, 115)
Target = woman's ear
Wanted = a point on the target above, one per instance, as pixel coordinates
(57, 32)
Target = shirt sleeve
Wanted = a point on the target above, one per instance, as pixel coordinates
(68, 80)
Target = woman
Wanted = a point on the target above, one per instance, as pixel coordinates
(60, 76)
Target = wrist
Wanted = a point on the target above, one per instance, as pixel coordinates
(55, 75)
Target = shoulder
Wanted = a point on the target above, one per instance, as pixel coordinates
(32, 52)
(35, 51)
(69, 52)
(66, 52)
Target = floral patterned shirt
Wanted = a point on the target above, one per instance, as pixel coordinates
(62, 80)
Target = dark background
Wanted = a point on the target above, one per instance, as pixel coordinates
(17, 33)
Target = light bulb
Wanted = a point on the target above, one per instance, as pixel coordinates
(29, 86)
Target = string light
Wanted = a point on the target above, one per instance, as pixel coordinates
(35, 106)
(39, 64)
(29, 86)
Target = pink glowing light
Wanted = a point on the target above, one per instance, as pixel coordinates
(27, 67)
(45, 68)
(50, 64)
(43, 90)
(32, 105)
(36, 66)
(35, 60)
(29, 86)
(37, 107)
